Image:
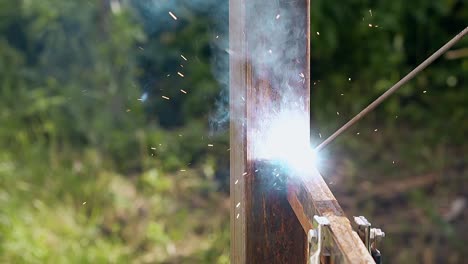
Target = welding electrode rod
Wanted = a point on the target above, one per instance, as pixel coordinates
(393, 89)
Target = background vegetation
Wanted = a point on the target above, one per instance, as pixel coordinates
(97, 167)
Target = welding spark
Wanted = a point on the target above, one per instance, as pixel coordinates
(143, 97)
(295, 152)
(172, 15)
(180, 74)
(165, 97)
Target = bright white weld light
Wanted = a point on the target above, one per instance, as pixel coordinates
(286, 139)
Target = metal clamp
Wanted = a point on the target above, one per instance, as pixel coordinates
(363, 230)
(376, 235)
(316, 238)
(370, 237)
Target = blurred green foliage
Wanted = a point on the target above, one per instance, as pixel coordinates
(97, 167)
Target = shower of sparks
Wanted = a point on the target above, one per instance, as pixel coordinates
(217, 37)
(370, 25)
(165, 97)
(237, 205)
(210, 145)
(237, 216)
(172, 15)
(349, 79)
(370, 12)
(318, 33)
(182, 170)
(245, 173)
(84, 203)
(424, 91)
(183, 57)
(237, 181)
(153, 148)
(376, 130)
(278, 16)
(180, 74)
(182, 90)
(270, 51)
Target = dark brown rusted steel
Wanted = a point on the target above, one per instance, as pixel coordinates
(274, 232)
(271, 215)
(264, 228)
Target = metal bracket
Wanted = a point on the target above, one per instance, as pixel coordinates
(316, 238)
(363, 230)
(370, 237)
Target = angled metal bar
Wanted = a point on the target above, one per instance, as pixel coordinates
(309, 196)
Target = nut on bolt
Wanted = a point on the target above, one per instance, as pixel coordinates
(377, 234)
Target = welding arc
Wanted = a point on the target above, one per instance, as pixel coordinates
(393, 89)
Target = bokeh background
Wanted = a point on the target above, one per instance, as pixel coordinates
(96, 166)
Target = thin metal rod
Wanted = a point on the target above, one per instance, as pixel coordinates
(393, 89)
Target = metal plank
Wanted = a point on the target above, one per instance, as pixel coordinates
(309, 195)
(264, 228)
